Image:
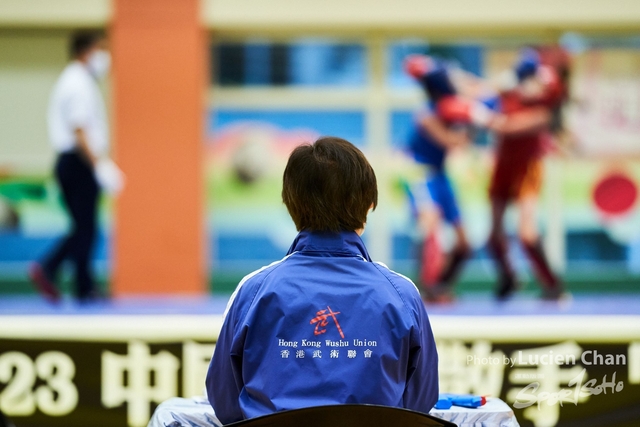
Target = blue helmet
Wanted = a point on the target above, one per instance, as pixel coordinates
(528, 63)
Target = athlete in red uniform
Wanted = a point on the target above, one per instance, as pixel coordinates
(530, 109)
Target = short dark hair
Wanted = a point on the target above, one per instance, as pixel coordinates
(329, 186)
(82, 41)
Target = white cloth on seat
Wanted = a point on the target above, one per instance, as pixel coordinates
(494, 413)
(183, 412)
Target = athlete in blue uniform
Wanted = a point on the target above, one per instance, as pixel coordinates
(325, 325)
(440, 126)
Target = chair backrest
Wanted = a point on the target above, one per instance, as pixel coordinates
(345, 416)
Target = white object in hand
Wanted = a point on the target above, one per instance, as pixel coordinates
(507, 80)
(480, 114)
(109, 176)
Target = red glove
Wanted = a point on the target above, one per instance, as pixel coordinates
(460, 110)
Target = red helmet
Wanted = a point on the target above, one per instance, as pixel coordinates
(417, 65)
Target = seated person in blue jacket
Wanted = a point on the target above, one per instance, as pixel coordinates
(325, 325)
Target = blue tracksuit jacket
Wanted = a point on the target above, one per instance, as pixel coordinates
(323, 326)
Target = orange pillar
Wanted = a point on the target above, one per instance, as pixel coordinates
(158, 49)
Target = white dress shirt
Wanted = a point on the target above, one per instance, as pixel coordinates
(76, 102)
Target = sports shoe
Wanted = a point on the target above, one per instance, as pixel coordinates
(507, 287)
(45, 286)
(556, 293)
(439, 294)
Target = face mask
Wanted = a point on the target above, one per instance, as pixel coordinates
(99, 63)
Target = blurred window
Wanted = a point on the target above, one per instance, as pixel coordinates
(401, 126)
(469, 57)
(304, 62)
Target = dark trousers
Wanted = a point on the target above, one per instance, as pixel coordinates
(80, 193)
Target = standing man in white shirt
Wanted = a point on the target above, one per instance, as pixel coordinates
(78, 132)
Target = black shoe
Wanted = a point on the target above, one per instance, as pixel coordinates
(92, 297)
(507, 287)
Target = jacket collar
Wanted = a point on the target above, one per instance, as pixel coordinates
(345, 243)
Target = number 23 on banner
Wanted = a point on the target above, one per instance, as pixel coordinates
(57, 396)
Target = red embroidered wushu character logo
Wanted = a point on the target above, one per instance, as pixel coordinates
(321, 321)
